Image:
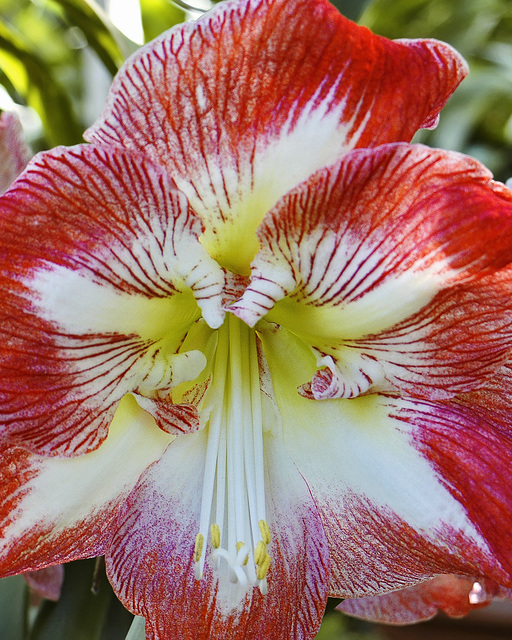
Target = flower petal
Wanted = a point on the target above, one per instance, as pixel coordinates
(248, 101)
(455, 595)
(454, 344)
(104, 274)
(83, 494)
(394, 514)
(402, 223)
(46, 582)
(151, 558)
(14, 151)
(468, 443)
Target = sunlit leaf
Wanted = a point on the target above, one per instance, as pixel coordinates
(108, 42)
(159, 15)
(34, 82)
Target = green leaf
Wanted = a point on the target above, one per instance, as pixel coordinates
(33, 80)
(159, 15)
(13, 608)
(137, 630)
(80, 614)
(111, 46)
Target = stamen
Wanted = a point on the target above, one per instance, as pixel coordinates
(233, 500)
(198, 547)
(260, 552)
(263, 567)
(265, 531)
(215, 536)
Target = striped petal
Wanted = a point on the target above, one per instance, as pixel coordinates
(14, 151)
(54, 510)
(104, 274)
(151, 562)
(455, 595)
(400, 223)
(407, 489)
(251, 99)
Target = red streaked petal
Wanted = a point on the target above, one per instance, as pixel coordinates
(176, 419)
(14, 151)
(387, 220)
(151, 559)
(351, 260)
(249, 100)
(114, 218)
(103, 276)
(454, 344)
(468, 442)
(54, 510)
(455, 595)
(393, 481)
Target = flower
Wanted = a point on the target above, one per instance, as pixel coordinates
(254, 344)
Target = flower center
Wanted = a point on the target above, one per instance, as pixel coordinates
(232, 515)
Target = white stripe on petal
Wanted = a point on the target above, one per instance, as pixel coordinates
(352, 452)
(66, 492)
(79, 305)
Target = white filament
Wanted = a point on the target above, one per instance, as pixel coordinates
(233, 498)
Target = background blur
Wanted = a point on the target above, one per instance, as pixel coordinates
(57, 59)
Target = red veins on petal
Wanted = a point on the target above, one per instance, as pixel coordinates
(402, 207)
(104, 244)
(388, 553)
(42, 543)
(176, 419)
(455, 595)
(215, 101)
(151, 559)
(55, 509)
(468, 441)
(452, 345)
(403, 222)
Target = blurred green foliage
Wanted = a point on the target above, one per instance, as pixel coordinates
(47, 52)
(478, 118)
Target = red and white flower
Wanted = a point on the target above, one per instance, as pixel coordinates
(254, 345)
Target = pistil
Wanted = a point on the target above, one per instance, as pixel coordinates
(233, 502)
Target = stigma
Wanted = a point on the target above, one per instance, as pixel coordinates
(233, 529)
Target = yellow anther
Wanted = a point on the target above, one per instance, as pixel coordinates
(260, 552)
(239, 545)
(263, 568)
(215, 536)
(265, 531)
(198, 547)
